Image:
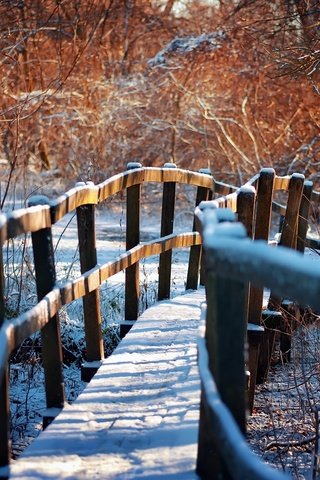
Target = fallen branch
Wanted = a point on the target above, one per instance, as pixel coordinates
(290, 444)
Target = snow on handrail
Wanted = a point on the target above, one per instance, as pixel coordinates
(231, 253)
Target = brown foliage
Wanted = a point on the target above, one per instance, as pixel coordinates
(80, 96)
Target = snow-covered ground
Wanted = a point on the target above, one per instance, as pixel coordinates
(138, 417)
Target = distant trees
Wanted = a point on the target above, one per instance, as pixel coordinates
(82, 92)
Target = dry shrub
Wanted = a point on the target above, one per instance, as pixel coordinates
(81, 95)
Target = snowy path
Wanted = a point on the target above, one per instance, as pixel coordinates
(138, 417)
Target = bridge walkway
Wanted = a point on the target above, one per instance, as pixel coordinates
(138, 417)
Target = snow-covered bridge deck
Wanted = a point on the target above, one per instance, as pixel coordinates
(138, 417)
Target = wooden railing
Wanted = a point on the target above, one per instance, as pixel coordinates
(253, 203)
(233, 260)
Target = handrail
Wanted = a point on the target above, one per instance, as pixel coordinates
(233, 260)
(31, 219)
(241, 461)
(15, 331)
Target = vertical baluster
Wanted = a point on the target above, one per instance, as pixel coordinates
(261, 232)
(274, 317)
(290, 222)
(167, 220)
(304, 215)
(245, 208)
(4, 387)
(225, 337)
(4, 421)
(202, 260)
(132, 287)
(50, 334)
(289, 238)
(91, 301)
(196, 250)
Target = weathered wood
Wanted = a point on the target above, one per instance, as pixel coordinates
(31, 321)
(289, 230)
(290, 314)
(196, 250)
(91, 301)
(227, 438)
(261, 232)
(225, 336)
(288, 238)
(50, 334)
(245, 211)
(209, 463)
(81, 194)
(289, 273)
(245, 208)
(167, 220)
(281, 183)
(290, 225)
(221, 188)
(132, 287)
(304, 215)
(150, 174)
(28, 220)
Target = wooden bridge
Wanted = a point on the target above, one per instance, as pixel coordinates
(139, 415)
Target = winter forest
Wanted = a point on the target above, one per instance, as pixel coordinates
(88, 85)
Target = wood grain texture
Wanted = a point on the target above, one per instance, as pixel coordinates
(91, 302)
(29, 220)
(77, 196)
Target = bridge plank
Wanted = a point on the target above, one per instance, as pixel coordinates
(138, 417)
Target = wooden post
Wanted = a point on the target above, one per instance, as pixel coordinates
(290, 223)
(261, 232)
(225, 337)
(50, 334)
(167, 220)
(304, 215)
(132, 287)
(196, 250)
(91, 301)
(4, 385)
(246, 199)
(4, 422)
(245, 208)
(288, 238)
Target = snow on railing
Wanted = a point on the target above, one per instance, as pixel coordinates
(233, 260)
